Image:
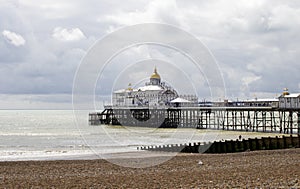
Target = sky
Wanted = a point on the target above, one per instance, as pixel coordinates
(42, 43)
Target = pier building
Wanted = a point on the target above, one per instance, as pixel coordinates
(154, 94)
(289, 101)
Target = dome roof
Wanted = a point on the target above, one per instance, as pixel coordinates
(285, 92)
(155, 75)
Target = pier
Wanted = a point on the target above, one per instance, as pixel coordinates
(252, 119)
(160, 106)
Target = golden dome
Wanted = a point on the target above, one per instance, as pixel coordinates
(129, 87)
(285, 92)
(155, 75)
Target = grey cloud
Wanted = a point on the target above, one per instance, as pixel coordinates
(250, 39)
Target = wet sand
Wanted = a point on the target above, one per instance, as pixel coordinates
(262, 169)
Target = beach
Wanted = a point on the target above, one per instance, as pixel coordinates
(262, 169)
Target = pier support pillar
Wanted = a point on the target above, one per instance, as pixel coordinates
(298, 122)
(291, 122)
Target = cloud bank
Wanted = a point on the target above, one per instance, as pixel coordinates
(256, 43)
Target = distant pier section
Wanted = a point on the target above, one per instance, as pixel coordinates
(158, 105)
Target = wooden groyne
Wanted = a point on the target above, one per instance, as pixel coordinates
(231, 146)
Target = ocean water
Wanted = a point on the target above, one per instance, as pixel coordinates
(61, 134)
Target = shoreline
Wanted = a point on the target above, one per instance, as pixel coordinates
(94, 156)
(269, 168)
(78, 152)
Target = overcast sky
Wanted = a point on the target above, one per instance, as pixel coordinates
(256, 43)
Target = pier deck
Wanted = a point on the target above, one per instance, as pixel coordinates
(254, 119)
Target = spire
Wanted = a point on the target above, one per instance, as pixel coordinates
(155, 78)
(155, 75)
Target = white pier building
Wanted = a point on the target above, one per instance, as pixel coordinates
(154, 94)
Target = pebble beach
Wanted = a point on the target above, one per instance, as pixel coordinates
(256, 169)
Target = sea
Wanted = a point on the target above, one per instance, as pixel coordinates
(65, 135)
